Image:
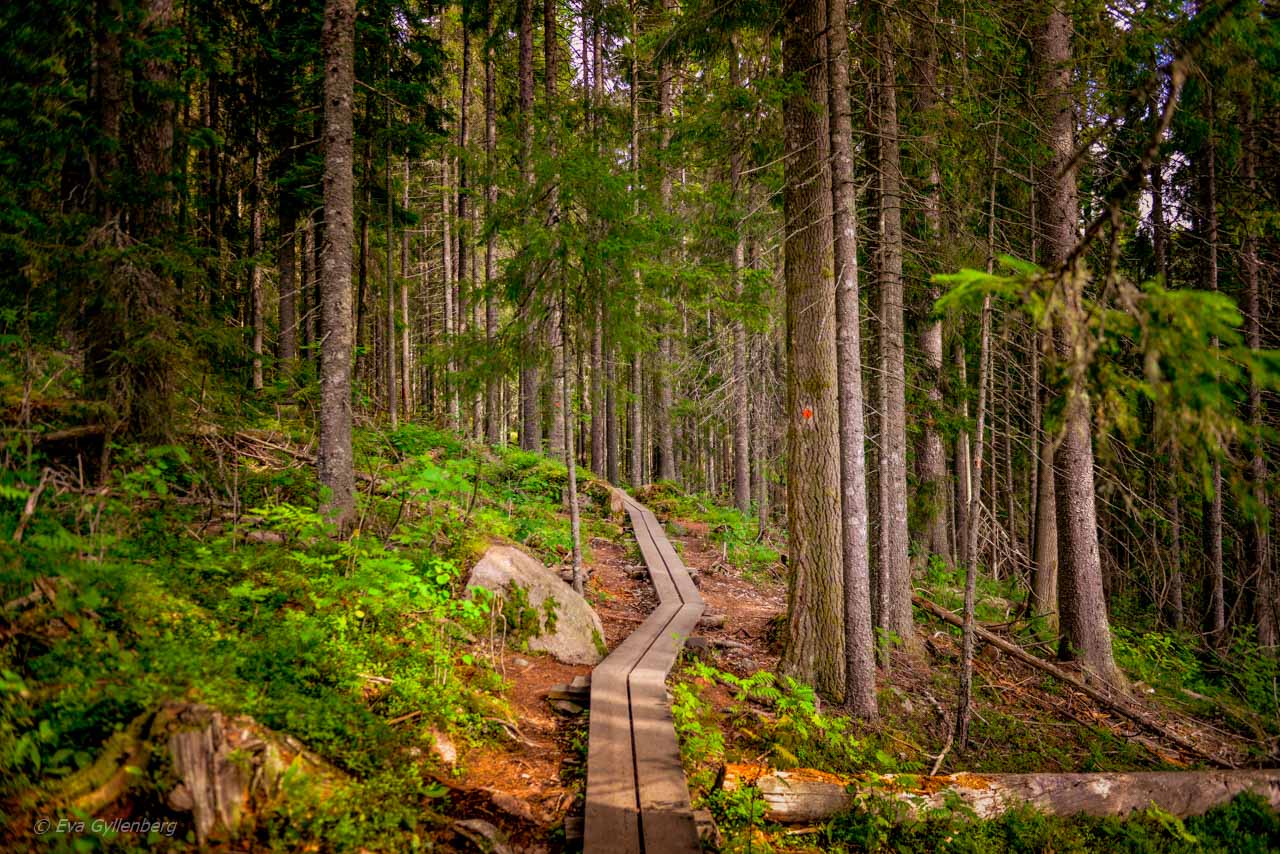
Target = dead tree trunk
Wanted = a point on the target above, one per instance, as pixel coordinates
(802, 795)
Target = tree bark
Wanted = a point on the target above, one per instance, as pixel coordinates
(931, 456)
(406, 352)
(1044, 587)
(815, 608)
(1267, 608)
(741, 402)
(1086, 634)
(635, 470)
(859, 637)
(803, 796)
(138, 329)
(446, 286)
(550, 43)
(287, 265)
(530, 411)
(335, 461)
(894, 572)
(493, 388)
(1216, 618)
(664, 399)
(570, 458)
(255, 272)
(389, 280)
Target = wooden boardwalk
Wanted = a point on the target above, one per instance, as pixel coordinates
(637, 796)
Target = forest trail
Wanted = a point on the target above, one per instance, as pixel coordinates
(637, 797)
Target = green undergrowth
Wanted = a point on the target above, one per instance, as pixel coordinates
(1237, 684)
(357, 647)
(737, 534)
(1246, 824)
(995, 600)
(774, 721)
(769, 719)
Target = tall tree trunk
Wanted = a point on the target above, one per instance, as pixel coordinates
(530, 411)
(406, 351)
(1160, 246)
(550, 44)
(1086, 634)
(137, 327)
(1217, 615)
(1258, 559)
(962, 458)
(664, 400)
(287, 264)
(1044, 588)
(393, 387)
(894, 576)
(973, 512)
(466, 259)
(363, 374)
(635, 472)
(599, 456)
(308, 310)
(741, 403)
(335, 461)
(570, 458)
(255, 272)
(931, 456)
(815, 608)
(859, 637)
(446, 286)
(493, 388)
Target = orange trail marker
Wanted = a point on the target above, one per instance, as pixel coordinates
(808, 413)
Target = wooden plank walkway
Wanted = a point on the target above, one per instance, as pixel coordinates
(637, 796)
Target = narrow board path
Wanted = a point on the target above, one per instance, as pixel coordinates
(637, 796)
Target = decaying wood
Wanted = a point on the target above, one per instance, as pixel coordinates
(67, 435)
(1101, 697)
(223, 767)
(29, 509)
(804, 795)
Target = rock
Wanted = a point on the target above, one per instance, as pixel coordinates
(568, 708)
(521, 662)
(574, 634)
(574, 694)
(513, 806)
(265, 537)
(712, 621)
(483, 835)
(444, 747)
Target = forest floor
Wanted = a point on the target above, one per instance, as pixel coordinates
(197, 575)
(1024, 721)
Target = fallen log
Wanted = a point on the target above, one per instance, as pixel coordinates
(805, 795)
(1061, 675)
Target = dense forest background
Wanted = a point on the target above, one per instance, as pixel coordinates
(984, 291)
